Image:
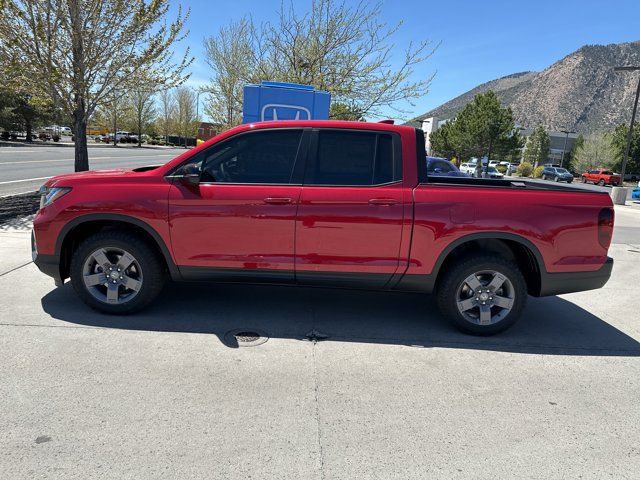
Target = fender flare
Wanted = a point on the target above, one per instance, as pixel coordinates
(92, 217)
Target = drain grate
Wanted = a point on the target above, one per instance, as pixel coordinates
(242, 337)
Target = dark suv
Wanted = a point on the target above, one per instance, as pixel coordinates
(557, 174)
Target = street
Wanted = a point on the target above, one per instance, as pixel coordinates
(392, 392)
(25, 168)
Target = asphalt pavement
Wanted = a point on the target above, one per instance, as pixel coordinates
(348, 385)
(25, 168)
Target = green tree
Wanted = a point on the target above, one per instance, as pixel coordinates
(482, 128)
(536, 151)
(570, 156)
(78, 52)
(596, 151)
(619, 144)
(345, 111)
(444, 142)
(344, 49)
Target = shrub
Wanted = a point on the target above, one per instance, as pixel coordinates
(537, 172)
(525, 169)
(4, 136)
(502, 169)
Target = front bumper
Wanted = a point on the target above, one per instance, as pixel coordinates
(559, 283)
(47, 264)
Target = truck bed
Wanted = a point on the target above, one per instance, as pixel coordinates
(515, 183)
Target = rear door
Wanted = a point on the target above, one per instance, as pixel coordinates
(349, 221)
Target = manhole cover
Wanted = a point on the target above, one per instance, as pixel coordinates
(243, 337)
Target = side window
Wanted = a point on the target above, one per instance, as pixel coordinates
(255, 157)
(354, 159)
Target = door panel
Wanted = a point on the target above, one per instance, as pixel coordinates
(350, 217)
(350, 234)
(247, 227)
(239, 221)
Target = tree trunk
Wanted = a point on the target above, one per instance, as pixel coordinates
(29, 128)
(80, 132)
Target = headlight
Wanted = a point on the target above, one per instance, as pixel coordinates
(48, 195)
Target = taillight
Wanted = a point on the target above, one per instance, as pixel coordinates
(605, 227)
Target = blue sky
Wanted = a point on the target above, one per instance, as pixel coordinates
(481, 40)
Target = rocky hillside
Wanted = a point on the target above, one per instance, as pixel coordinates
(581, 91)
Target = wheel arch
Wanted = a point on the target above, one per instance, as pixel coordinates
(81, 227)
(515, 247)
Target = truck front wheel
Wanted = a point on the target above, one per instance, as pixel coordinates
(116, 272)
(482, 294)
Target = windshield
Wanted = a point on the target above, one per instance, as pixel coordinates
(561, 170)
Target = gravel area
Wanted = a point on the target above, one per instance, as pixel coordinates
(15, 207)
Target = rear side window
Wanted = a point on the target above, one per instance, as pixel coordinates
(344, 158)
(255, 157)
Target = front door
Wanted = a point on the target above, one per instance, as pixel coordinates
(350, 217)
(239, 221)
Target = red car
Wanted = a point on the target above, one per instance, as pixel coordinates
(601, 177)
(322, 203)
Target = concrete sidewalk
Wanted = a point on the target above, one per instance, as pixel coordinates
(394, 392)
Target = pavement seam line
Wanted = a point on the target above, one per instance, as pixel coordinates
(315, 381)
(14, 269)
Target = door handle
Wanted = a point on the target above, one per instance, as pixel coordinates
(277, 200)
(382, 201)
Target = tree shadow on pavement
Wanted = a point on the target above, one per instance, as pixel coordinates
(551, 325)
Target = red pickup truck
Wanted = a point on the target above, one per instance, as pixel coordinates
(601, 177)
(345, 204)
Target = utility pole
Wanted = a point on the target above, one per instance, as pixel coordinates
(629, 68)
(564, 149)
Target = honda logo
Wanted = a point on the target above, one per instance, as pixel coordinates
(277, 111)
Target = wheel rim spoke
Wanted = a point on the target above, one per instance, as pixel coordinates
(473, 282)
(131, 283)
(502, 302)
(112, 293)
(496, 282)
(125, 261)
(100, 256)
(95, 279)
(467, 304)
(485, 314)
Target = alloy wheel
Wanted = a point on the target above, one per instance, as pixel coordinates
(485, 297)
(112, 275)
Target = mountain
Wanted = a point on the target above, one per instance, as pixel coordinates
(580, 92)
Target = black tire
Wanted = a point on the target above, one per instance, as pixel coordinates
(151, 266)
(453, 281)
(601, 183)
(556, 179)
(544, 177)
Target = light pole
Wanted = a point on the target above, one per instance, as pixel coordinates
(564, 149)
(629, 68)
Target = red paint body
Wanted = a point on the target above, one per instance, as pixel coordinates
(393, 230)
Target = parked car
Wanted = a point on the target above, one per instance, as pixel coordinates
(492, 172)
(601, 177)
(441, 167)
(632, 177)
(557, 174)
(322, 203)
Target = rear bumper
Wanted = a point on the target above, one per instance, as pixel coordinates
(559, 283)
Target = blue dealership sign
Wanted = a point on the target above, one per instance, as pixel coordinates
(284, 101)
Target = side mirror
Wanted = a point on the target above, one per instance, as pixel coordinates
(191, 174)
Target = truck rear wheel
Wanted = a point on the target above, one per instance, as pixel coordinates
(482, 294)
(116, 272)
